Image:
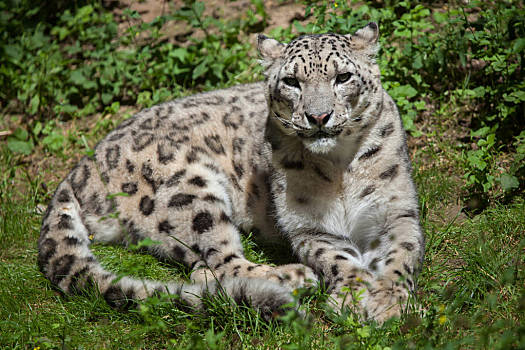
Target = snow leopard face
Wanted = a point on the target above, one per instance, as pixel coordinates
(323, 87)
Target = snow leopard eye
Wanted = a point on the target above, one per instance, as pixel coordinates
(342, 78)
(291, 81)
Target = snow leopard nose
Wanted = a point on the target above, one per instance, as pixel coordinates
(319, 119)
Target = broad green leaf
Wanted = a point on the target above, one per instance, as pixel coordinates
(417, 63)
(180, 53)
(519, 45)
(66, 108)
(475, 159)
(37, 129)
(404, 33)
(106, 98)
(479, 91)
(201, 69)
(440, 17)
(516, 96)
(480, 132)
(403, 91)
(89, 84)
(54, 141)
(18, 146)
(300, 28)
(363, 332)
(198, 7)
(33, 105)
(77, 77)
(420, 105)
(15, 52)
(408, 122)
(38, 39)
(83, 13)
(21, 134)
(115, 106)
(144, 98)
(509, 182)
(487, 185)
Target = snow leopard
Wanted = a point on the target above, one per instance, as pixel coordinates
(314, 157)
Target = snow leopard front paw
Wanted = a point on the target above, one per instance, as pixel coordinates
(378, 299)
(384, 304)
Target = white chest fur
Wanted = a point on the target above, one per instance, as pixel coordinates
(335, 207)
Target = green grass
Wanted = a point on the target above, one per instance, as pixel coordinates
(466, 141)
(471, 288)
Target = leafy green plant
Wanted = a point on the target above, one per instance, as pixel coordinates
(478, 173)
(20, 142)
(53, 139)
(78, 63)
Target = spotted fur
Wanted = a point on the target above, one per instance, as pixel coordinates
(315, 155)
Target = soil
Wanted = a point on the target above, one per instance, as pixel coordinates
(281, 14)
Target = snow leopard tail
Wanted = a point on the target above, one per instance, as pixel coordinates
(65, 258)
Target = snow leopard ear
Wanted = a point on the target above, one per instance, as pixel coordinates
(368, 33)
(270, 49)
(365, 40)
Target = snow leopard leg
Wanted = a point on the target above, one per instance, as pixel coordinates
(377, 282)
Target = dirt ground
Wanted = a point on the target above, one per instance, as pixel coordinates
(281, 13)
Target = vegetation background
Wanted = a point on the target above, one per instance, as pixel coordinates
(70, 71)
